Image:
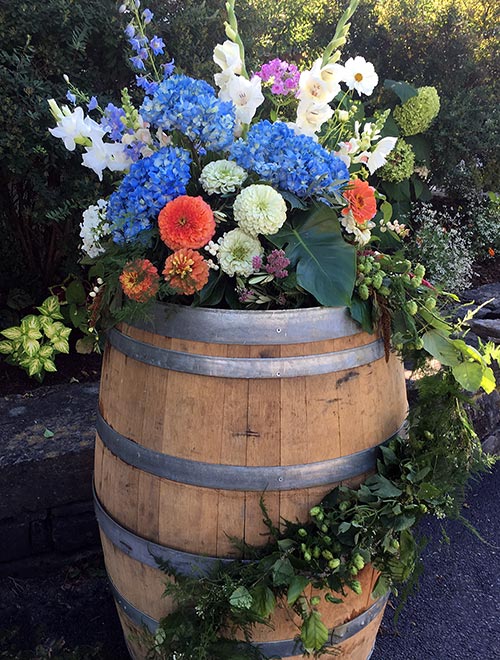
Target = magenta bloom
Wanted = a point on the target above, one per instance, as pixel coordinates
(283, 77)
(277, 264)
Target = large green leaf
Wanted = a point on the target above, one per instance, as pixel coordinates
(324, 262)
(314, 633)
(401, 89)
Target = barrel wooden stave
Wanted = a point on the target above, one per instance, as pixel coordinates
(234, 421)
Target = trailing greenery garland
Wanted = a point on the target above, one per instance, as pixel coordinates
(423, 472)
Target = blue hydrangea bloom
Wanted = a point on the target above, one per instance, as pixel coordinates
(191, 107)
(291, 162)
(144, 191)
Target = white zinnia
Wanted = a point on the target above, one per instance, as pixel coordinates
(259, 209)
(246, 96)
(236, 252)
(94, 228)
(221, 177)
(360, 75)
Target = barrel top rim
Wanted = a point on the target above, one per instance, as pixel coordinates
(248, 326)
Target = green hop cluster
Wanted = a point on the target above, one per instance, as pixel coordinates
(400, 163)
(370, 275)
(416, 114)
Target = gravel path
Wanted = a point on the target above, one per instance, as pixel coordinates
(454, 616)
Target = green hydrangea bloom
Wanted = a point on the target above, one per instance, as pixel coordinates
(400, 163)
(416, 114)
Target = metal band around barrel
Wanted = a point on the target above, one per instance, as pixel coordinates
(222, 367)
(230, 326)
(147, 552)
(235, 477)
(285, 648)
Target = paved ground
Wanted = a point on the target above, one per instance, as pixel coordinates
(454, 616)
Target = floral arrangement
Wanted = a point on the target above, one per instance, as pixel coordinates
(273, 189)
(255, 192)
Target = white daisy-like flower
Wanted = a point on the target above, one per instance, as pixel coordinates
(362, 233)
(360, 75)
(94, 228)
(236, 252)
(221, 177)
(259, 209)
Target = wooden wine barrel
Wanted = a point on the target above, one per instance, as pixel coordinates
(201, 411)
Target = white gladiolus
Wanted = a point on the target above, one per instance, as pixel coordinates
(378, 157)
(227, 57)
(246, 96)
(362, 233)
(73, 127)
(311, 116)
(102, 155)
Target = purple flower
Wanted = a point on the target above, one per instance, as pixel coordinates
(137, 62)
(92, 104)
(157, 45)
(71, 97)
(277, 263)
(244, 295)
(143, 54)
(283, 77)
(130, 30)
(112, 121)
(257, 262)
(147, 15)
(147, 85)
(168, 69)
(137, 43)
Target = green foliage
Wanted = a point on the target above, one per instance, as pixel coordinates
(423, 473)
(325, 265)
(34, 344)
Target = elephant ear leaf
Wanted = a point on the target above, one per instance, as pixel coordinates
(325, 264)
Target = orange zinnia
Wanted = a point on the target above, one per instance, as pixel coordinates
(186, 271)
(186, 222)
(361, 202)
(140, 280)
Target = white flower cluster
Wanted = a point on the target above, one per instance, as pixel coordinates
(362, 233)
(94, 228)
(320, 85)
(221, 177)
(359, 148)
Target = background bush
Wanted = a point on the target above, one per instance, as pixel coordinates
(450, 44)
